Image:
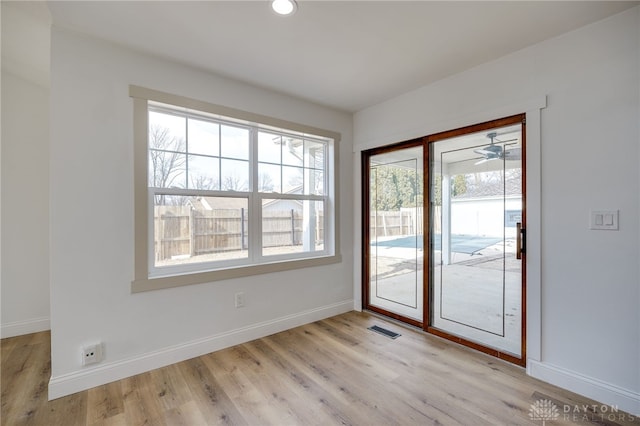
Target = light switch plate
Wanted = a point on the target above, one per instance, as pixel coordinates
(603, 219)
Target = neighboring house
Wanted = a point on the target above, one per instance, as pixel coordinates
(212, 203)
(494, 206)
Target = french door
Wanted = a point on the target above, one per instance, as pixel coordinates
(450, 259)
(394, 229)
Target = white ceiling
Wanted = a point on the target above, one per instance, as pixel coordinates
(347, 55)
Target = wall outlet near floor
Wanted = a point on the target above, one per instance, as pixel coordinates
(239, 300)
(92, 354)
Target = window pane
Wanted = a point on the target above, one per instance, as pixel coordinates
(292, 151)
(292, 226)
(166, 131)
(199, 229)
(269, 146)
(292, 180)
(167, 169)
(314, 155)
(231, 161)
(314, 182)
(204, 172)
(235, 142)
(235, 175)
(204, 137)
(269, 178)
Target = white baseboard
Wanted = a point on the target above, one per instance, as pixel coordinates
(595, 389)
(77, 381)
(18, 328)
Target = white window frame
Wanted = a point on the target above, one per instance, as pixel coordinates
(147, 276)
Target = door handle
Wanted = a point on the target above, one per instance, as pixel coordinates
(521, 240)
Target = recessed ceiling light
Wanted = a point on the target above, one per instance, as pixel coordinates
(284, 7)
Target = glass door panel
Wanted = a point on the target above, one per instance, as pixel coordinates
(395, 245)
(476, 206)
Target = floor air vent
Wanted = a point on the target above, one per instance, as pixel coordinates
(384, 331)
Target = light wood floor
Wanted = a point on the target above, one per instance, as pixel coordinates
(330, 372)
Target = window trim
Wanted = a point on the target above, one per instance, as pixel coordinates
(142, 225)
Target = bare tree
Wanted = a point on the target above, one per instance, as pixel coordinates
(167, 159)
(265, 183)
(204, 182)
(233, 183)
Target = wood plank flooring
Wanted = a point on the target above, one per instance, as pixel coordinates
(330, 372)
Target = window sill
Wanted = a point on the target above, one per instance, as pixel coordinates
(149, 284)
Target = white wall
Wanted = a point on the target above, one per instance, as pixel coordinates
(584, 288)
(24, 222)
(92, 224)
(25, 206)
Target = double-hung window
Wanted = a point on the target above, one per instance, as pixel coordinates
(221, 193)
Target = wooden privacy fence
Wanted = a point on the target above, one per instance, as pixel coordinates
(406, 221)
(183, 231)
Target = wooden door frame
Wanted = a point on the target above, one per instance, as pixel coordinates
(427, 291)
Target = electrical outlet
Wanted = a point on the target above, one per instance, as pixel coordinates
(239, 300)
(92, 354)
